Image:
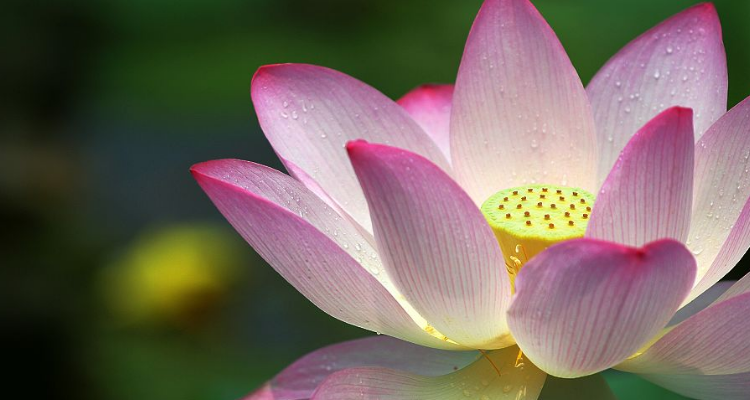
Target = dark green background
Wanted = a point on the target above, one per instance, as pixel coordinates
(105, 106)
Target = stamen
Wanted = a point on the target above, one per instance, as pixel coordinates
(484, 353)
(519, 358)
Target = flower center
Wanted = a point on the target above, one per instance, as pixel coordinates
(528, 219)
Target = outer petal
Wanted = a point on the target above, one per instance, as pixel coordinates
(582, 306)
(520, 113)
(430, 106)
(648, 194)
(738, 288)
(310, 183)
(706, 387)
(308, 244)
(592, 387)
(308, 113)
(436, 245)
(722, 189)
(264, 393)
(731, 253)
(680, 62)
(715, 341)
(300, 379)
(710, 296)
(480, 380)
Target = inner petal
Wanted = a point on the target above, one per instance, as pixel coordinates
(528, 219)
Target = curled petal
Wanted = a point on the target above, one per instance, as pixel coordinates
(496, 376)
(648, 194)
(309, 245)
(436, 245)
(301, 378)
(583, 305)
(712, 342)
(705, 387)
(720, 227)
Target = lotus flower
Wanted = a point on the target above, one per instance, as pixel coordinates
(462, 219)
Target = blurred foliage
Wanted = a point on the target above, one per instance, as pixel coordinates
(105, 294)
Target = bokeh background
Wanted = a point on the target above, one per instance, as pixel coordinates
(119, 279)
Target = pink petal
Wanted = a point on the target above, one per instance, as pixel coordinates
(430, 106)
(720, 229)
(300, 379)
(436, 245)
(680, 62)
(710, 296)
(480, 380)
(520, 113)
(592, 387)
(583, 305)
(263, 393)
(308, 113)
(732, 251)
(309, 245)
(706, 387)
(648, 194)
(715, 341)
(740, 287)
(302, 176)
